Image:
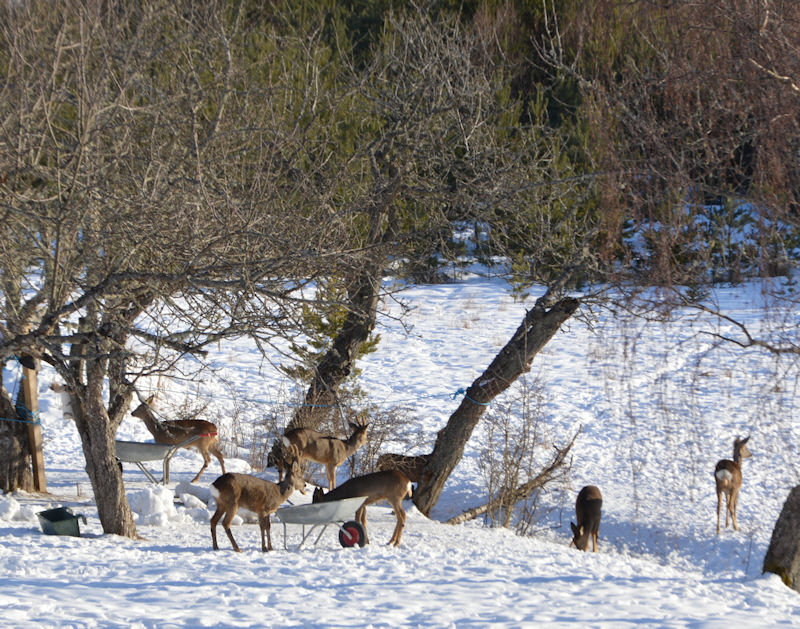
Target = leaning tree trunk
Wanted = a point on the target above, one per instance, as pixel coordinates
(337, 363)
(783, 554)
(538, 327)
(362, 301)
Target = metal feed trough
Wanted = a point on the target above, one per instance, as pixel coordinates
(139, 452)
(322, 514)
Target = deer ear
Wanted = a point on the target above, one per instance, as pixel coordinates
(575, 529)
(149, 401)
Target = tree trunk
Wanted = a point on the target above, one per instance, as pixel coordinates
(337, 363)
(97, 431)
(362, 299)
(15, 456)
(538, 327)
(783, 554)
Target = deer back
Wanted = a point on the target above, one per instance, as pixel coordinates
(727, 472)
(387, 485)
(256, 494)
(176, 430)
(325, 448)
(302, 437)
(588, 511)
(185, 428)
(241, 489)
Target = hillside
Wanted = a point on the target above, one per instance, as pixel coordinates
(657, 405)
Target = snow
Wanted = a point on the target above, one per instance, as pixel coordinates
(657, 403)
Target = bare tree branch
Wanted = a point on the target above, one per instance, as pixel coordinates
(553, 470)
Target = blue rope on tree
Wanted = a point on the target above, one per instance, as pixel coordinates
(21, 421)
(464, 393)
(28, 417)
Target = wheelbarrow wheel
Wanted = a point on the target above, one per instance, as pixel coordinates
(352, 534)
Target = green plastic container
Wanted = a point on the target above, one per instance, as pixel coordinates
(60, 521)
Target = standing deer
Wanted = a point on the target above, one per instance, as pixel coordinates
(260, 496)
(177, 431)
(392, 486)
(587, 511)
(326, 449)
(728, 477)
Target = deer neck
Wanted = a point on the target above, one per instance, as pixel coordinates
(351, 443)
(286, 486)
(151, 423)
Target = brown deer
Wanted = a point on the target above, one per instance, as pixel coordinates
(728, 477)
(177, 431)
(391, 485)
(412, 466)
(326, 449)
(587, 511)
(260, 496)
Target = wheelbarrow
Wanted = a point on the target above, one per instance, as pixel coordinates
(320, 515)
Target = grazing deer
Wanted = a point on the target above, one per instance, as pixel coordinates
(391, 485)
(728, 477)
(260, 496)
(411, 466)
(326, 449)
(587, 511)
(177, 431)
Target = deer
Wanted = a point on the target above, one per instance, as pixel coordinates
(728, 478)
(390, 485)
(412, 466)
(588, 507)
(326, 449)
(258, 495)
(177, 431)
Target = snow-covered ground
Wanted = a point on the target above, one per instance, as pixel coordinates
(658, 404)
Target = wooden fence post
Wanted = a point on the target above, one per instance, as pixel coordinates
(30, 394)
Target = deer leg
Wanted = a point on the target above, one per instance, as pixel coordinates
(727, 507)
(719, 506)
(732, 508)
(361, 518)
(398, 527)
(206, 461)
(331, 468)
(214, 519)
(217, 453)
(226, 524)
(264, 525)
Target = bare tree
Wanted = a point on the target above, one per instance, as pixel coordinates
(147, 209)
